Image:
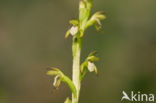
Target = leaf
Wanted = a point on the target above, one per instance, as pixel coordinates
(68, 100)
(59, 76)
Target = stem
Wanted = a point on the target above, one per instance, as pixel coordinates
(76, 48)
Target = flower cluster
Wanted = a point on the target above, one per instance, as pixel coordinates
(59, 76)
(89, 65)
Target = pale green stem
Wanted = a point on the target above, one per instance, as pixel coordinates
(76, 48)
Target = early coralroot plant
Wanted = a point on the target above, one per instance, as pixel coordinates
(77, 31)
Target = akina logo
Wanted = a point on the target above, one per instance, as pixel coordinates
(138, 97)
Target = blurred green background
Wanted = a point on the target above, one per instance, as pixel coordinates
(32, 38)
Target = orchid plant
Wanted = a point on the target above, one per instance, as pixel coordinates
(77, 32)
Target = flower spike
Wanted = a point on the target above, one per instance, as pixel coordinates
(77, 30)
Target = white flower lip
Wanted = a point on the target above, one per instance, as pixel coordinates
(91, 66)
(55, 80)
(73, 30)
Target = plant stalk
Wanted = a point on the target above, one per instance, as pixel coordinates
(76, 49)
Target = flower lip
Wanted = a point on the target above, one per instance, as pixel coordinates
(73, 30)
(91, 66)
